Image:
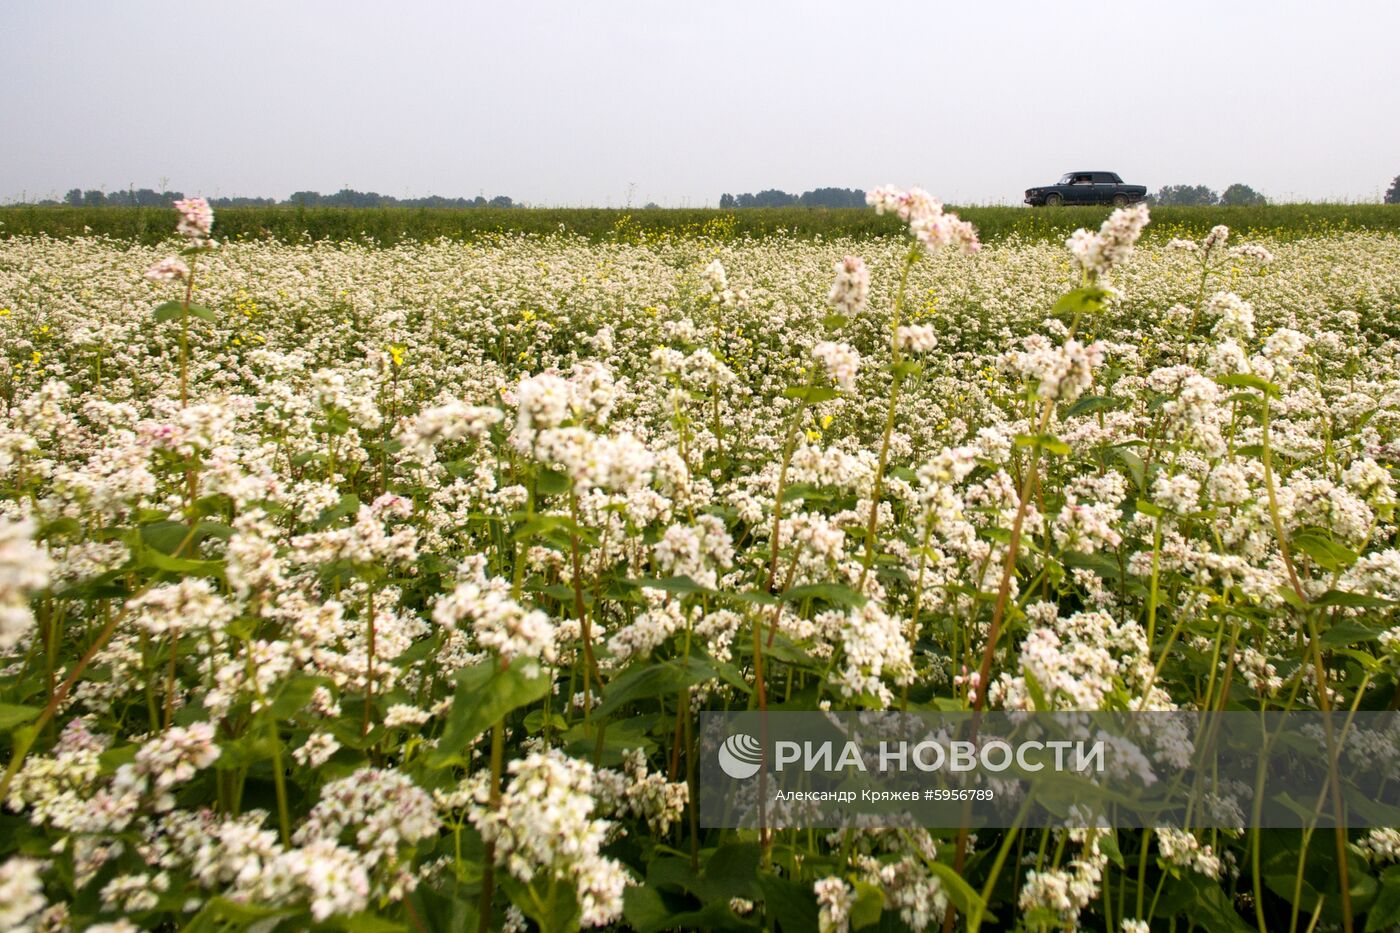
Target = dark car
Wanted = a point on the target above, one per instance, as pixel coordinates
(1086, 188)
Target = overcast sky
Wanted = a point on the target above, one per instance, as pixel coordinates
(595, 101)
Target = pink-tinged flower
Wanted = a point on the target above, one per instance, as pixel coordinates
(169, 269)
(196, 219)
(928, 222)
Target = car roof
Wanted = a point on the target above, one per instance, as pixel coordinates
(1089, 171)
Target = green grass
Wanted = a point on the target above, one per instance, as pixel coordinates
(391, 225)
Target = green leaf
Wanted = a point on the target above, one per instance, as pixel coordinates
(169, 311)
(960, 894)
(165, 536)
(202, 313)
(835, 321)
(1136, 468)
(652, 679)
(644, 909)
(1349, 633)
(906, 368)
(363, 922)
(812, 395)
(1108, 845)
(1090, 404)
(218, 913)
(833, 593)
(753, 598)
(1249, 381)
(11, 715)
(295, 694)
(1088, 300)
(485, 694)
(1037, 693)
(791, 905)
(732, 869)
(559, 912)
(1149, 508)
(1385, 912)
(183, 566)
(1326, 553)
(1047, 442)
(542, 524)
(1353, 600)
(552, 482)
(869, 902)
(678, 585)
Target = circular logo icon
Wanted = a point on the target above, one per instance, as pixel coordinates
(740, 756)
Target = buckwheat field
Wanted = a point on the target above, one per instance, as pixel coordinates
(378, 588)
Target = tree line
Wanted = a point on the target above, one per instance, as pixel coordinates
(345, 197)
(1237, 195)
(772, 197)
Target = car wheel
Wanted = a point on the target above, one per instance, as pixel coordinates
(1120, 200)
(1054, 200)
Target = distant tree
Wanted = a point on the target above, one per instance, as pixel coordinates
(1393, 195)
(1239, 195)
(651, 206)
(833, 197)
(1185, 196)
(345, 197)
(818, 197)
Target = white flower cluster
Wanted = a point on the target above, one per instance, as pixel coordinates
(873, 647)
(543, 826)
(1060, 373)
(835, 898)
(698, 551)
(21, 893)
(176, 609)
(852, 284)
(24, 569)
(1098, 253)
(196, 220)
(443, 424)
(916, 338)
(1078, 662)
(928, 222)
(636, 791)
(1063, 891)
(498, 623)
(840, 362)
(384, 812)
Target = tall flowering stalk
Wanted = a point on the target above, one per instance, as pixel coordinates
(932, 229)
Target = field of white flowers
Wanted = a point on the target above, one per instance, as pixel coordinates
(377, 588)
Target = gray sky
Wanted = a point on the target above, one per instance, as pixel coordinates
(567, 103)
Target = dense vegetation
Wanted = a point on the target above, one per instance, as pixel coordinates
(375, 589)
(392, 225)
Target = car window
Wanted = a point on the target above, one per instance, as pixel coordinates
(1103, 178)
(1082, 180)
(1065, 180)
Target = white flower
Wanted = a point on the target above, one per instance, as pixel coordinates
(917, 338)
(841, 363)
(170, 269)
(835, 898)
(851, 286)
(24, 569)
(21, 892)
(1098, 253)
